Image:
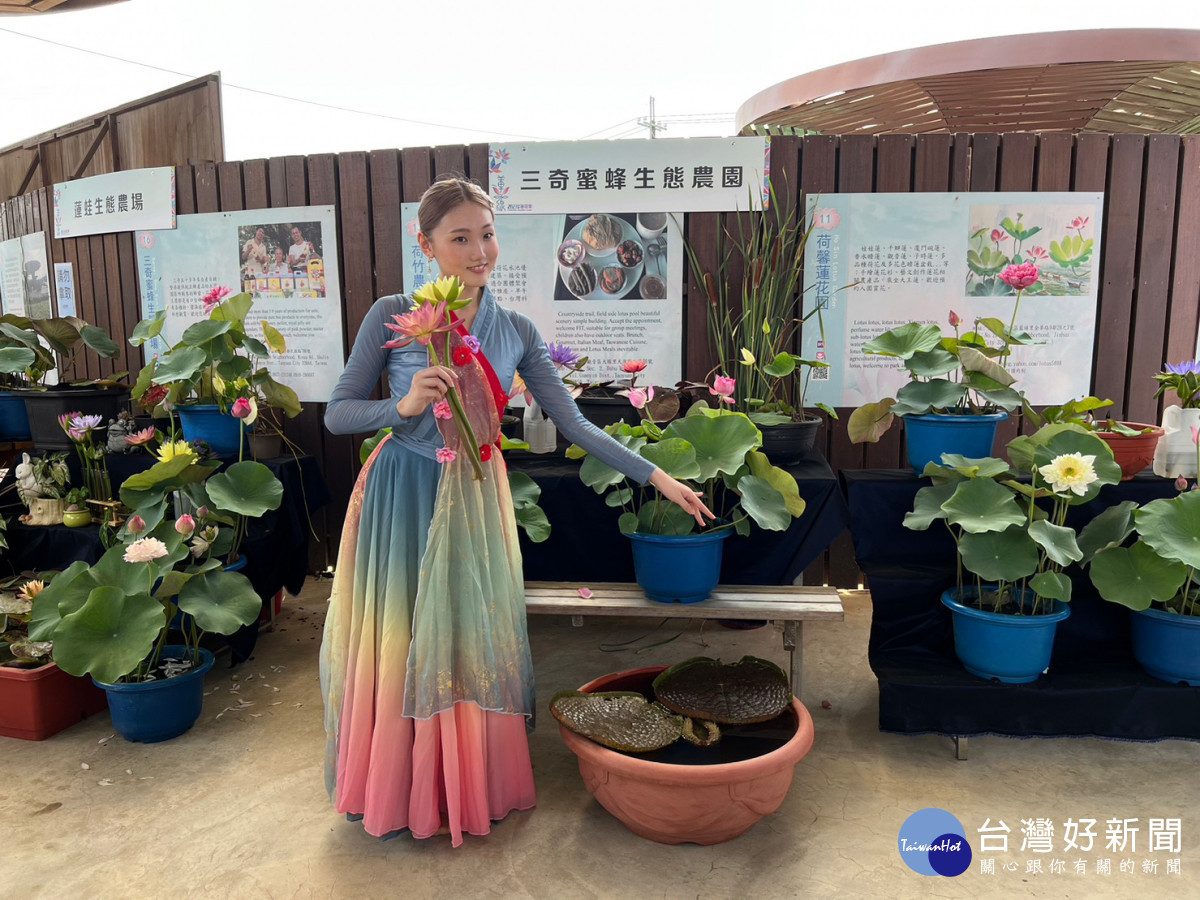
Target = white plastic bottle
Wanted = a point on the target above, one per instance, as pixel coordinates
(540, 433)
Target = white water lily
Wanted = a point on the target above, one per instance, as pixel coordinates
(1070, 472)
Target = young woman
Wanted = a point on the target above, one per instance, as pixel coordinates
(425, 665)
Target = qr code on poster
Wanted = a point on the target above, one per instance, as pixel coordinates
(820, 375)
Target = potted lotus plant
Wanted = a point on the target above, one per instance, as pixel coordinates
(1132, 444)
(959, 389)
(716, 449)
(1013, 543)
(214, 363)
(1174, 456)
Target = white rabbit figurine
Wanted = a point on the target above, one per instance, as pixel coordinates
(27, 484)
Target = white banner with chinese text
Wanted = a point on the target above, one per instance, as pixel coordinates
(131, 200)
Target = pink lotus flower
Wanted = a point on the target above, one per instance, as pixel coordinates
(638, 397)
(955, 319)
(1079, 222)
(1039, 253)
(202, 512)
(136, 525)
(445, 455)
(213, 298)
(633, 366)
(145, 550)
(1181, 484)
(185, 525)
(145, 436)
(998, 235)
(245, 408)
(722, 387)
(441, 410)
(1020, 277)
(420, 325)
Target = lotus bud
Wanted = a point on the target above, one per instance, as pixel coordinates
(136, 525)
(203, 512)
(185, 525)
(1181, 484)
(955, 319)
(241, 408)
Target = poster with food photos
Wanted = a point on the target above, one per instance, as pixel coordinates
(877, 261)
(608, 285)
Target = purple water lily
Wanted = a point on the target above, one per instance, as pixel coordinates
(86, 423)
(562, 355)
(1187, 367)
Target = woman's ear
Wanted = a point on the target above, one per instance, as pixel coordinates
(426, 247)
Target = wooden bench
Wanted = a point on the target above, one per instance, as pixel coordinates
(790, 605)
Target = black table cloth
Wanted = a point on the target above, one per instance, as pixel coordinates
(586, 545)
(276, 544)
(1094, 686)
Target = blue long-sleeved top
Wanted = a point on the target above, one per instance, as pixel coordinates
(508, 339)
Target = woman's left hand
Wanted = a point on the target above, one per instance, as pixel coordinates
(682, 495)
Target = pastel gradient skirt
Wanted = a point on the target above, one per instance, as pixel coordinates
(425, 666)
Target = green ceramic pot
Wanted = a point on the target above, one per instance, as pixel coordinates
(77, 518)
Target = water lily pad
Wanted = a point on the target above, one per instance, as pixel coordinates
(620, 720)
(751, 690)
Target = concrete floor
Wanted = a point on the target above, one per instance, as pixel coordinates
(236, 807)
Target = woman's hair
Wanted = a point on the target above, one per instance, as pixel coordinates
(445, 194)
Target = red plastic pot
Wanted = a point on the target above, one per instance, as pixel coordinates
(38, 703)
(1135, 452)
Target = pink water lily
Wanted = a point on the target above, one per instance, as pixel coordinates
(420, 325)
(722, 387)
(633, 366)
(140, 437)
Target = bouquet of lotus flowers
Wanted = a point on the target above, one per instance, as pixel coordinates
(93, 455)
(432, 314)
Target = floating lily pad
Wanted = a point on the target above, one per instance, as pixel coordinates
(751, 690)
(620, 720)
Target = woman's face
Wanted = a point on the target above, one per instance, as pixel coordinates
(464, 244)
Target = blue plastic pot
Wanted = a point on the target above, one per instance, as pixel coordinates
(678, 568)
(929, 436)
(14, 420)
(208, 423)
(153, 711)
(1167, 645)
(1002, 647)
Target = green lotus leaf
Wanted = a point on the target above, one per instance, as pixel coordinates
(664, 517)
(984, 467)
(627, 523)
(1057, 540)
(1000, 330)
(233, 309)
(765, 505)
(109, 635)
(1052, 586)
(974, 361)
(927, 505)
(533, 519)
(1003, 398)
(721, 439)
(701, 732)
(980, 505)
(148, 328)
(619, 497)
(674, 456)
(779, 479)
(906, 340)
(245, 488)
(61, 333)
(221, 602)
(61, 596)
(1172, 527)
(1086, 444)
(920, 397)
(234, 368)
(1136, 576)
(750, 690)
(181, 364)
(369, 445)
(16, 359)
(255, 347)
(1022, 448)
(150, 485)
(99, 341)
(999, 555)
(932, 363)
(599, 476)
(1109, 529)
(274, 339)
(621, 720)
(769, 418)
(870, 421)
(781, 366)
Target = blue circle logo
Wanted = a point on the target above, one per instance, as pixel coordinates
(933, 842)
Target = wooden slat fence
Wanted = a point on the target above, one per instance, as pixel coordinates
(1149, 299)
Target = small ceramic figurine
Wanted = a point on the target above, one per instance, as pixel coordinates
(28, 487)
(119, 429)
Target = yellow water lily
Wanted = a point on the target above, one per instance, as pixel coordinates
(747, 357)
(168, 450)
(444, 290)
(1070, 472)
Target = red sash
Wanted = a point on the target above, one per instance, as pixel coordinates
(498, 393)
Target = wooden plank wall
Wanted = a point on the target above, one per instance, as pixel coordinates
(1149, 307)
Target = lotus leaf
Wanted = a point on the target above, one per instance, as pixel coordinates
(1052, 586)
(181, 365)
(782, 481)
(1172, 527)
(905, 341)
(1000, 555)
(109, 635)
(204, 331)
(750, 690)
(674, 456)
(246, 488)
(975, 361)
(870, 421)
(221, 602)
(931, 363)
(620, 720)
(987, 467)
(920, 397)
(1109, 529)
(1136, 576)
(927, 505)
(721, 440)
(980, 504)
(764, 503)
(1058, 542)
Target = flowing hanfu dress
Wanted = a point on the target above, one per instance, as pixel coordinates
(426, 671)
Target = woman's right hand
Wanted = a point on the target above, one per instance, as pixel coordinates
(428, 386)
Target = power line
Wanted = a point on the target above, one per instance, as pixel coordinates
(360, 112)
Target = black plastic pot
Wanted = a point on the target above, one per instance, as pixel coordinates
(44, 408)
(790, 442)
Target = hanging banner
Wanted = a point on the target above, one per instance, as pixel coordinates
(25, 276)
(130, 200)
(637, 176)
(608, 285)
(877, 261)
(64, 288)
(285, 258)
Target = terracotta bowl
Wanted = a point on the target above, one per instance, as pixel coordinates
(1133, 453)
(676, 804)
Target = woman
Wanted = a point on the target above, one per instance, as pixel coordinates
(425, 665)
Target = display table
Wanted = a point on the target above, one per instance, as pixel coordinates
(276, 544)
(1094, 686)
(586, 545)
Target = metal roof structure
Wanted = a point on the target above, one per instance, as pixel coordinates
(1141, 81)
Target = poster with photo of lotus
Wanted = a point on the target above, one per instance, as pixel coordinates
(877, 261)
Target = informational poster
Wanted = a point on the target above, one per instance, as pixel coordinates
(285, 258)
(877, 261)
(25, 276)
(64, 288)
(693, 174)
(608, 285)
(129, 200)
